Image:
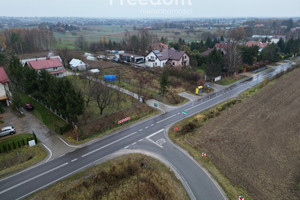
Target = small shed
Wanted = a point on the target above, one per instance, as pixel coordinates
(77, 64)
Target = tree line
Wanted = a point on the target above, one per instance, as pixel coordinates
(20, 40)
(57, 93)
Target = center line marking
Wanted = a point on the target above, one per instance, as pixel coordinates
(30, 179)
(146, 127)
(134, 143)
(108, 144)
(74, 160)
(165, 119)
(152, 124)
(140, 129)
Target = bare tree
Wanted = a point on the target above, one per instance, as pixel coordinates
(233, 58)
(102, 95)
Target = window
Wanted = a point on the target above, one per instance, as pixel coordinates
(173, 63)
(54, 68)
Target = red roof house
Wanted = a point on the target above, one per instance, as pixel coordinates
(51, 64)
(4, 88)
(3, 76)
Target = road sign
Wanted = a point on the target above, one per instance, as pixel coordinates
(203, 154)
(155, 104)
(241, 198)
(184, 112)
(176, 129)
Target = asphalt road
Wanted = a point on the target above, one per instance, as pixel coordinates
(148, 135)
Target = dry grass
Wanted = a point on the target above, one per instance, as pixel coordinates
(256, 144)
(128, 177)
(20, 159)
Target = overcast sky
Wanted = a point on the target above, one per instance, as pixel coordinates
(146, 8)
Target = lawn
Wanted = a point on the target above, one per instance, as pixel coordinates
(229, 80)
(43, 114)
(128, 177)
(92, 124)
(20, 159)
(130, 80)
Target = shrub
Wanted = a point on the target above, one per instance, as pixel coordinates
(188, 128)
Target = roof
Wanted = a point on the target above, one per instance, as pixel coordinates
(3, 76)
(167, 54)
(94, 70)
(45, 63)
(256, 43)
(75, 62)
(207, 52)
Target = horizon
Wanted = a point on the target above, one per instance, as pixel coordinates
(151, 9)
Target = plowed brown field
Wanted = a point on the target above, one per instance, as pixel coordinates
(256, 144)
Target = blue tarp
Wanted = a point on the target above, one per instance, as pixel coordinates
(110, 77)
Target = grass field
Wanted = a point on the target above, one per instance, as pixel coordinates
(229, 80)
(92, 124)
(43, 114)
(128, 177)
(116, 33)
(252, 147)
(20, 159)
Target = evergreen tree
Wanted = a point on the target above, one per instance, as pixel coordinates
(271, 53)
(281, 45)
(249, 53)
(164, 83)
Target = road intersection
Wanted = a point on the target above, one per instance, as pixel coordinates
(150, 135)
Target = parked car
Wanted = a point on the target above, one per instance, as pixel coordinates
(29, 106)
(8, 130)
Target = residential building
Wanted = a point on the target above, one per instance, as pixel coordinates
(77, 64)
(171, 57)
(5, 93)
(52, 64)
(260, 45)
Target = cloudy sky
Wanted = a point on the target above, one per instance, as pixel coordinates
(150, 8)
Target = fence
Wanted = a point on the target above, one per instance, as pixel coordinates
(50, 109)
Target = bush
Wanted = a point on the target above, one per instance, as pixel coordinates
(188, 128)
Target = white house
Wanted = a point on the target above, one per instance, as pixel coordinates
(172, 57)
(76, 64)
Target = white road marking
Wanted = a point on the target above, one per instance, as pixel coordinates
(152, 124)
(68, 144)
(146, 127)
(126, 147)
(61, 155)
(155, 133)
(74, 160)
(140, 140)
(108, 144)
(134, 143)
(49, 151)
(154, 142)
(161, 141)
(140, 130)
(30, 179)
(165, 119)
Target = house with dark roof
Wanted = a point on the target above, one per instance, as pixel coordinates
(53, 65)
(5, 93)
(171, 57)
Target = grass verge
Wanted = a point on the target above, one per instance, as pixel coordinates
(20, 159)
(44, 115)
(229, 80)
(129, 177)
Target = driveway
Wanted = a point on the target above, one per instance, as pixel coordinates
(29, 124)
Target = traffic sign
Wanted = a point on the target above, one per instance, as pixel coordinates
(176, 129)
(184, 112)
(155, 104)
(241, 198)
(203, 154)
